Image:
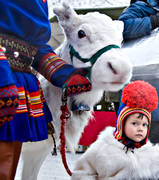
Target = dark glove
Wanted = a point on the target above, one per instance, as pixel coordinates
(132, 1)
(154, 20)
(77, 82)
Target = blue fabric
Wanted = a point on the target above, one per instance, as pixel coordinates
(79, 107)
(122, 105)
(62, 74)
(26, 19)
(136, 19)
(25, 127)
(5, 74)
(29, 21)
(153, 3)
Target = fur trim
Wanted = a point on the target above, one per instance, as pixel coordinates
(107, 159)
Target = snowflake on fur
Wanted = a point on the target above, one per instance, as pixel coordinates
(140, 94)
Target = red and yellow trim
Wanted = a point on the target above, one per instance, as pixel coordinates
(32, 100)
(49, 64)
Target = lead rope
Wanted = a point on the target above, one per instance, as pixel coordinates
(64, 118)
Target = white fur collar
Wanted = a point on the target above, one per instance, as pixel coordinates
(142, 163)
(107, 136)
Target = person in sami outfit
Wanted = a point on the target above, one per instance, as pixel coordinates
(24, 34)
(123, 153)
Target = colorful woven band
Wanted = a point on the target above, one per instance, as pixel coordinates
(8, 103)
(49, 64)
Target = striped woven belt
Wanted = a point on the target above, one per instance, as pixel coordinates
(19, 53)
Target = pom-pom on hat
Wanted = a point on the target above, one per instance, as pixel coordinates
(137, 97)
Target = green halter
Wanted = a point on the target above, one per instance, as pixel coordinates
(93, 59)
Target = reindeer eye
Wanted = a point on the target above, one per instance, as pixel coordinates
(81, 34)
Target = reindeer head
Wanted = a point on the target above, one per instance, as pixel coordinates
(89, 35)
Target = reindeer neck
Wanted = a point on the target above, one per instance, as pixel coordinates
(63, 52)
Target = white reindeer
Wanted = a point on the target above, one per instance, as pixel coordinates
(88, 35)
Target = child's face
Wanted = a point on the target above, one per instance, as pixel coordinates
(136, 127)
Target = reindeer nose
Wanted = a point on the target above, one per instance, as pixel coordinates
(111, 68)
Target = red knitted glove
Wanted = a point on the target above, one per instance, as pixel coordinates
(77, 83)
(8, 103)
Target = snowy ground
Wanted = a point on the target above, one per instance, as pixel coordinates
(88, 4)
(52, 168)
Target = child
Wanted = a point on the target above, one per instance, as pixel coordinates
(123, 153)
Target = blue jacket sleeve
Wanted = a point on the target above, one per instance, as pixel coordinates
(136, 20)
(51, 66)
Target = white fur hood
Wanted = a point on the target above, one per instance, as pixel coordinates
(107, 159)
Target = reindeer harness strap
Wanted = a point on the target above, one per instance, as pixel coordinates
(64, 108)
(95, 56)
(92, 59)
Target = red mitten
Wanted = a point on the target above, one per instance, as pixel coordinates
(77, 83)
(8, 103)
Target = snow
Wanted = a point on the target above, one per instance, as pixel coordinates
(88, 4)
(52, 168)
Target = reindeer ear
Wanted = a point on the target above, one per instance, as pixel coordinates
(64, 13)
(119, 25)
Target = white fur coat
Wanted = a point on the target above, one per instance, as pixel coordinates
(107, 160)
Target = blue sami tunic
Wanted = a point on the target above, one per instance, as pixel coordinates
(28, 20)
